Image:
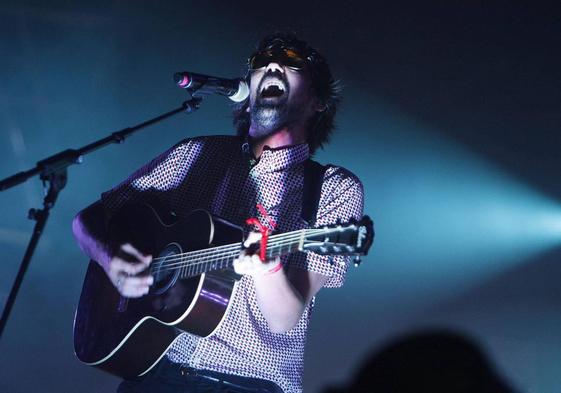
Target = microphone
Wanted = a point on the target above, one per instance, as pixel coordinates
(235, 89)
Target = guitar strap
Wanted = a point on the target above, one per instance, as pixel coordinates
(311, 193)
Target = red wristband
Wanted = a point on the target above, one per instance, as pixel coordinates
(275, 269)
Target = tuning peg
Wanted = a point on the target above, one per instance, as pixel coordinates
(357, 260)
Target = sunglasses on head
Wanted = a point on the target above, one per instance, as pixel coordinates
(285, 56)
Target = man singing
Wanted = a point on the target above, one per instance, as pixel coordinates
(259, 346)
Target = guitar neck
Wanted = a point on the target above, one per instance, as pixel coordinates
(194, 263)
(349, 239)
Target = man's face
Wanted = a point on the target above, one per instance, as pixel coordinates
(280, 96)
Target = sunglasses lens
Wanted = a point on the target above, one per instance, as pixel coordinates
(293, 59)
(287, 57)
(259, 60)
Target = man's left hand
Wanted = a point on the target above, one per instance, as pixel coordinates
(251, 264)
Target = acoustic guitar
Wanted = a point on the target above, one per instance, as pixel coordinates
(193, 283)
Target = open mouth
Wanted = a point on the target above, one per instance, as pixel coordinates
(272, 88)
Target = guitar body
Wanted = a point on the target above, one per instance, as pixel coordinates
(127, 337)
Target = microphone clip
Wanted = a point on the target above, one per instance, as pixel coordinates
(193, 104)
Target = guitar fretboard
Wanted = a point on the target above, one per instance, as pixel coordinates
(194, 263)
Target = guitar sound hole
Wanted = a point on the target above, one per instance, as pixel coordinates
(166, 270)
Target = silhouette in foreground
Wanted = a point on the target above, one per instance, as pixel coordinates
(432, 362)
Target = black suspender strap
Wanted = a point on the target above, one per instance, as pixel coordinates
(313, 180)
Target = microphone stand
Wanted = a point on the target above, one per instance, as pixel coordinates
(53, 173)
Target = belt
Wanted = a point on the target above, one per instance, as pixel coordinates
(236, 382)
(193, 372)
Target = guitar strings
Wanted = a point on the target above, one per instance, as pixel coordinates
(277, 242)
(191, 265)
(192, 268)
(274, 241)
(276, 238)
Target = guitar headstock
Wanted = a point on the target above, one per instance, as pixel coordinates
(353, 238)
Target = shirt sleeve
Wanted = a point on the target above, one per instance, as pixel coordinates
(342, 198)
(155, 180)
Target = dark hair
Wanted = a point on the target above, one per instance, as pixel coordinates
(327, 90)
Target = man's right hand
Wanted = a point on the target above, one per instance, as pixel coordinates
(124, 270)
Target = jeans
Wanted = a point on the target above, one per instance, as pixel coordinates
(168, 377)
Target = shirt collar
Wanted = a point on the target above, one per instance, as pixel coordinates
(282, 158)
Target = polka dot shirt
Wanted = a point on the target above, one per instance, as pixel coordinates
(214, 173)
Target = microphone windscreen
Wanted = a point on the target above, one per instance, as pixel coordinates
(242, 93)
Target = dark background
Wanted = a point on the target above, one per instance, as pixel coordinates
(451, 117)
